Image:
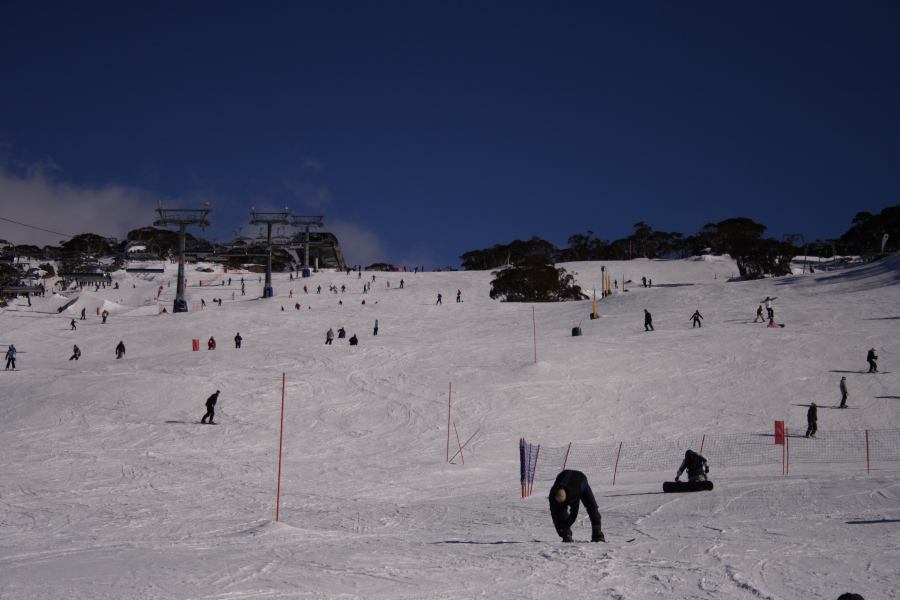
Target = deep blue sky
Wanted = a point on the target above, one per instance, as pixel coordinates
(441, 127)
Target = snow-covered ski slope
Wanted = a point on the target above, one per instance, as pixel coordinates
(109, 487)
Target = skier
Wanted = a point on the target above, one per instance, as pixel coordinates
(83, 312)
(648, 321)
(812, 418)
(872, 359)
(759, 315)
(72, 325)
(76, 353)
(238, 338)
(354, 340)
(211, 344)
(375, 332)
(342, 333)
(329, 336)
(438, 300)
(458, 296)
(643, 282)
(697, 317)
(104, 315)
(120, 349)
(11, 357)
(401, 284)
(843, 387)
(570, 488)
(210, 409)
(696, 467)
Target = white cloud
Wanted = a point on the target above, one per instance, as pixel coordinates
(359, 245)
(36, 197)
(314, 196)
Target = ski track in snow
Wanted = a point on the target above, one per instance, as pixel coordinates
(111, 488)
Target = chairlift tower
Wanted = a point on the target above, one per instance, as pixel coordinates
(306, 223)
(268, 219)
(182, 217)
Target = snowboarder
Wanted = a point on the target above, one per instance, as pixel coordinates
(438, 300)
(120, 349)
(72, 325)
(570, 488)
(770, 310)
(759, 315)
(211, 344)
(83, 312)
(812, 418)
(238, 338)
(648, 321)
(872, 359)
(697, 317)
(210, 409)
(458, 296)
(104, 315)
(354, 340)
(375, 331)
(329, 336)
(76, 353)
(843, 387)
(696, 467)
(11, 357)
(342, 333)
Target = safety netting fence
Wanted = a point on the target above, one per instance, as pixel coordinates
(863, 448)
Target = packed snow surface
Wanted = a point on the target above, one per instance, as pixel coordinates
(110, 487)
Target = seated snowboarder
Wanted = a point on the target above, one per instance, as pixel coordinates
(570, 488)
(354, 340)
(696, 467)
(211, 344)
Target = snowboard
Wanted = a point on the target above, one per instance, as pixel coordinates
(687, 486)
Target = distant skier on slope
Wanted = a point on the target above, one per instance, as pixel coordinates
(843, 387)
(354, 340)
(329, 336)
(76, 353)
(120, 349)
(11, 357)
(238, 339)
(872, 359)
(697, 317)
(570, 488)
(812, 420)
(770, 310)
(759, 315)
(648, 321)
(211, 344)
(72, 325)
(439, 300)
(210, 409)
(696, 466)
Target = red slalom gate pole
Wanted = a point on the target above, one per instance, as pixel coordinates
(459, 444)
(280, 440)
(449, 400)
(787, 452)
(534, 328)
(471, 437)
(616, 468)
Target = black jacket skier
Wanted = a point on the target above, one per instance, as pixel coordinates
(76, 353)
(238, 339)
(696, 467)
(210, 408)
(120, 349)
(570, 488)
(872, 359)
(648, 320)
(697, 317)
(812, 420)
